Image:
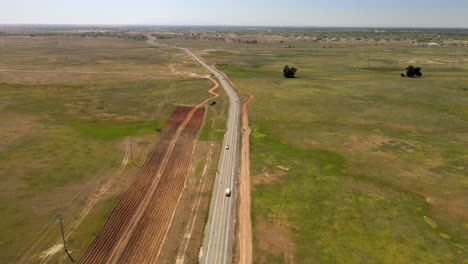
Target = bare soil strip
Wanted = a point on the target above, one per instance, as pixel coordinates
(135, 229)
(245, 221)
(211, 91)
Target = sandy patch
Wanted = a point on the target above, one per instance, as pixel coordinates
(268, 178)
(275, 239)
(51, 251)
(282, 168)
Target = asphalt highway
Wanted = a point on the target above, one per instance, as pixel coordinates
(219, 232)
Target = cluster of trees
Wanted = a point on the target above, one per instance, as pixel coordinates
(220, 38)
(247, 41)
(164, 36)
(289, 72)
(412, 72)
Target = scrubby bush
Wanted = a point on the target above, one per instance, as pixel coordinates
(289, 72)
(412, 72)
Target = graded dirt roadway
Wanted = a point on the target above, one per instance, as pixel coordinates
(219, 232)
(245, 255)
(136, 228)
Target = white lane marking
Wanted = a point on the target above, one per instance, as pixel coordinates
(230, 204)
(233, 126)
(220, 169)
(216, 209)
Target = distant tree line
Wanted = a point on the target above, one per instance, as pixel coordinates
(222, 39)
(164, 36)
(121, 35)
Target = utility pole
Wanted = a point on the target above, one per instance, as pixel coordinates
(170, 89)
(63, 234)
(368, 58)
(155, 122)
(63, 237)
(131, 151)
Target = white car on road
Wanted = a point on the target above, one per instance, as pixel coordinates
(228, 192)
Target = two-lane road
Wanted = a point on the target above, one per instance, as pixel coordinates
(219, 232)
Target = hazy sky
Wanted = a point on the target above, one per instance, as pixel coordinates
(380, 13)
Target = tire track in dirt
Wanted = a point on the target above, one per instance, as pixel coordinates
(136, 227)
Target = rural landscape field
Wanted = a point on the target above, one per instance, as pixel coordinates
(71, 108)
(350, 162)
(243, 132)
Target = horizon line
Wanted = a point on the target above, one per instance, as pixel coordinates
(227, 25)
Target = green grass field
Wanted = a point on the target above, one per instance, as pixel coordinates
(65, 134)
(350, 162)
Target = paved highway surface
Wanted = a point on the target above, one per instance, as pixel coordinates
(219, 232)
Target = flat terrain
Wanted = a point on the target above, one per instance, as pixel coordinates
(350, 162)
(69, 106)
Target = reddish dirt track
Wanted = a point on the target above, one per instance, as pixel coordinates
(245, 221)
(137, 226)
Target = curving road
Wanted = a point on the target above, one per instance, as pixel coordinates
(219, 232)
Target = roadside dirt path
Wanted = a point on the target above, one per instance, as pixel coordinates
(211, 91)
(245, 221)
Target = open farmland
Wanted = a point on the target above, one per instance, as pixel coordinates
(350, 162)
(69, 106)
